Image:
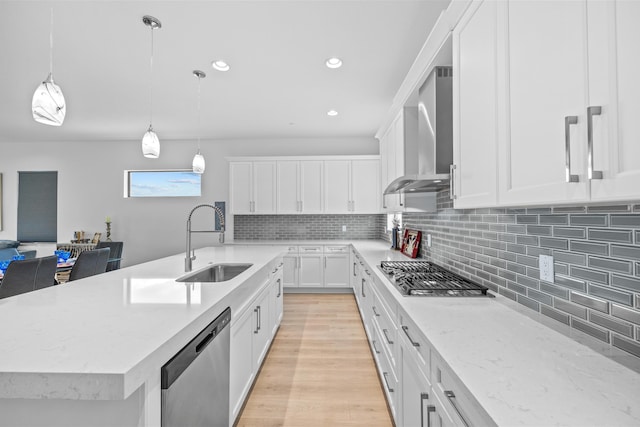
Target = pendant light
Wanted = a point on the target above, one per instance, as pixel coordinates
(150, 141)
(48, 105)
(198, 159)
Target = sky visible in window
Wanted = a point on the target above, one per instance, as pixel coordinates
(164, 184)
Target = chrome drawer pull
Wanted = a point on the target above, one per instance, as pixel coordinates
(568, 121)
(452, 399)
(430, 409)
(374, 311)
(406, 332)
(384, 374)
(385, 331)
(592, 111)
(374, 347)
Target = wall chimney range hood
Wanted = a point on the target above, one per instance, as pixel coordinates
(434, 143)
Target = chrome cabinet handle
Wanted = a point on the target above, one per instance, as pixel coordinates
(385, 374)
(368, 272)
(592, 111)
(384, 201)
(406, 332)
(373, 307)
(452, 399)
(279, 288)
(385, 333)
(363, 295)
(374, 347)
(430, 408)
(354, 269)
(400, 199)
(452, 194)
(257, 311)
(568, 121)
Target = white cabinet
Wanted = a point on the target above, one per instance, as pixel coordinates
(352, 186)
(252, 331)
(311, 267)
(572, 97)
(252, 187)
(336, 266)
(317, 266)
(475, 103)
(300, 186)
(417, 402)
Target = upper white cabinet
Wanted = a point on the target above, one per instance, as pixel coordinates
(305, 185)
(300, 186)
(352, 186)
(252, 187)
(475, 102)
(571, 97)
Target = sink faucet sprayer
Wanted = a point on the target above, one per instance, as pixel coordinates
(189, 256)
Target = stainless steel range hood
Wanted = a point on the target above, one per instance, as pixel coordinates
(435, 137)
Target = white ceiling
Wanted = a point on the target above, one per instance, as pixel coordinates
(278, 85)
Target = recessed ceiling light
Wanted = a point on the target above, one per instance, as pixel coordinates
(220, 65)
(332, 113)
(333, 62)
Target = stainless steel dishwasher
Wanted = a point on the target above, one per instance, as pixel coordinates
(195, 382)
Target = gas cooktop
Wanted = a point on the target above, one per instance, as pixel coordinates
(423, 278)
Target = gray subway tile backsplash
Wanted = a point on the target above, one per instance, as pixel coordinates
(596, 253)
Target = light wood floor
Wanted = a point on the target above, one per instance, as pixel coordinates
(319, 371)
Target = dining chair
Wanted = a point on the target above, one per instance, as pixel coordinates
(28, 275)
(115, 255)
(89, 263)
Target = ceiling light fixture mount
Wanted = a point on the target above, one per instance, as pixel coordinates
(198, 164)
(150, 141)
(220, 65)
(48, 105)
(333, 62)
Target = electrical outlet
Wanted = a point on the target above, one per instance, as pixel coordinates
(344, 228)
(546, 268)
(428, 240)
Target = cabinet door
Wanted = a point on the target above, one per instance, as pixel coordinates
(310, 184)
(613, 60)
(475, 103)
(365, 190)
(417, 405)
(262, 331)
(264, 187)
(336, 270)
(290, 271)
(241, 181)
(311, 269)
(337, 175)
(288, 192)
(241, 368)
(547, 81)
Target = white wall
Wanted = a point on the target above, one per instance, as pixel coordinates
(90, 186)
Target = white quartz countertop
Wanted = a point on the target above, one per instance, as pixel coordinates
(101, 337)
(521, 368)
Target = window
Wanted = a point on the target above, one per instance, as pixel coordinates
(390, 220)
(37, 206)
(162, 183)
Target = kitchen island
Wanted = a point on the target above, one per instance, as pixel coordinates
(89, 352)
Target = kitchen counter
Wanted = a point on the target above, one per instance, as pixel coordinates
(522, 368)
(105, 337)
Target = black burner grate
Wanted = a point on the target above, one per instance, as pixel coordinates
(426, 278)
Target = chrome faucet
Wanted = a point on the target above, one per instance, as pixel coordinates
(191, 256)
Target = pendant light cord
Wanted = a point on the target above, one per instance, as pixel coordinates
(151, 81)
(199, 125)
(51, 45)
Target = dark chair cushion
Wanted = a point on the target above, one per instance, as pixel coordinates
(9, 244)
(28, 275)
(115, 254)
(89, 263)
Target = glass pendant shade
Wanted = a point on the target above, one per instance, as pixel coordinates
(150, 144)
(198, 163)
(48, 105)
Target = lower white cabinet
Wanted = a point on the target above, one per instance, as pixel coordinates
(252, 331)
(317, 266)
(417, 401)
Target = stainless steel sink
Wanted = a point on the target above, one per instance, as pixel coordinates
(215, 273)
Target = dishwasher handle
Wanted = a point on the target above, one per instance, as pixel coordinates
(181, 361)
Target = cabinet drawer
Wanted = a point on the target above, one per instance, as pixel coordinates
(456, 400)
(339, 249)
(387, 330)
(388, 376)
(310, 249)
(292, 249)
(411, 333)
